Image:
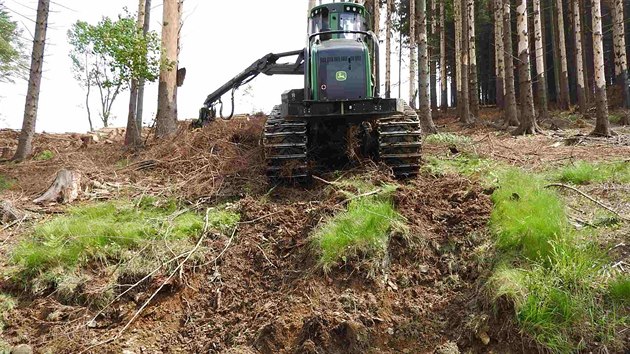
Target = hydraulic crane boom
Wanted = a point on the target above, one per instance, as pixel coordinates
(266, 65)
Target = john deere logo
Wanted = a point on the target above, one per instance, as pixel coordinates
(342, 76)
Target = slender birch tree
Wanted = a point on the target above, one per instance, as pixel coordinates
(133, 133)
(145, 30)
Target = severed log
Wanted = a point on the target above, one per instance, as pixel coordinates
(65, 189)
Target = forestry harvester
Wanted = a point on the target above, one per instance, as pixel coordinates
(340, 111)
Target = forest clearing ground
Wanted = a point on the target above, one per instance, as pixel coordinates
(267, 292)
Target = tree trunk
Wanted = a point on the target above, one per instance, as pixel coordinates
(564, 98)
(472, 57)
(443, 78)
(133, 133)
(621, 63)
(145, 31)
(388, 51)
(465, 98)
(540, 62)
(88, 88)
(585, 52)
(166, 121)
(498, 52)
(376, 18)
(25, 141)
(412, 53)
(528, 119)
(426, 119)
(457, 9)
(433, 81)
(556, 53)
(602, 125)
(579, 63)
(511, 113)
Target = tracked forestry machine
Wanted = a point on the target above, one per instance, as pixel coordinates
(339, 114)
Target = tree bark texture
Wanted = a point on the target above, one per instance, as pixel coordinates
(166, 121)
(443, 77)
(510, 111)
(472, 58)
(602, 125)
(412, 53)
(499, 56)
(579, 63)
(540, 62)
(528, 118)
(457, 8)
(564, 99)
(25, 141)
(465, 97)
(388, 50)
(426, 120)
(619, 42)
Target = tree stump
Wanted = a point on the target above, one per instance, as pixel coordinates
(65, 189)
(9, 213)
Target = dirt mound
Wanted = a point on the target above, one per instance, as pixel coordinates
(265, 293)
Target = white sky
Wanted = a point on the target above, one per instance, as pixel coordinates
(219, 40)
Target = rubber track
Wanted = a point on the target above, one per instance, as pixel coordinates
(400, 143)
(286, 145)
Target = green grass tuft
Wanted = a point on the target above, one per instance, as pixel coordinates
(619, 290)
(362, 231)
(223, 220)
(462, 163)
(100, 232)
(553, 276)
(45, 155)
(526, 216)
(447, 139)
(6, 183)
(582, 172)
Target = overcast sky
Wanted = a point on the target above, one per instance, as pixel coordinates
(219, 40)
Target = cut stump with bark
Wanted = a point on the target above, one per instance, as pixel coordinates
(9, 213)
(64, 189)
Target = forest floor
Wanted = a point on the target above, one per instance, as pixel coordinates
(255, 283)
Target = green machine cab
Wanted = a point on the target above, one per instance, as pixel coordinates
(339, 108)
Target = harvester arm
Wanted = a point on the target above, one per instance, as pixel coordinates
(266, 65)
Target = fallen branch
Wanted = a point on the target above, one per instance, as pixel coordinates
(590, 198)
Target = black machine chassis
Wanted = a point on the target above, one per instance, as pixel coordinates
(286, 137)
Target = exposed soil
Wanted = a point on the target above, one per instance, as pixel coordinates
(266, 293)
